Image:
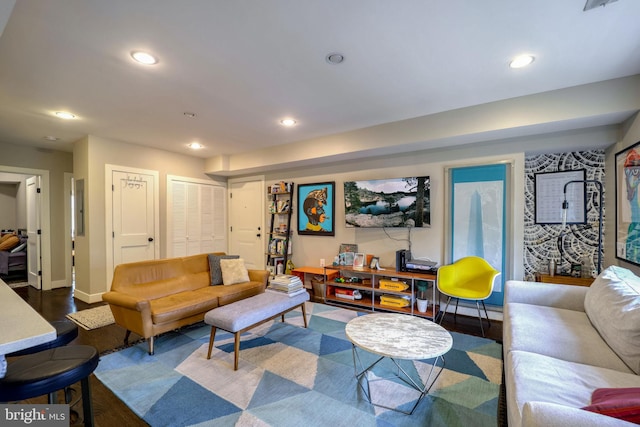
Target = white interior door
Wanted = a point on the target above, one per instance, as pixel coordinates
(246, 216)
(133, 217)
(33, 232)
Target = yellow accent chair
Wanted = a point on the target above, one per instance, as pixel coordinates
(470, 278)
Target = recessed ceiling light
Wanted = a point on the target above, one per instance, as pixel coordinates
(51, 138)
(288, 122)
(190, 115)
(195, 146)
(521, 61)
(334, 58)
(144, 58)
(65, 115)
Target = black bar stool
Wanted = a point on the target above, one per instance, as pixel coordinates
(51, 370)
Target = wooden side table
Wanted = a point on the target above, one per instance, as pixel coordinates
(564, 280)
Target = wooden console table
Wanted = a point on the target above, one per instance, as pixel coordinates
(305, 274)
(564, 280)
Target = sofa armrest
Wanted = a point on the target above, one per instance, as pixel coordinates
(126, 301)
(261, 276)
(544, 414)
(546, 294)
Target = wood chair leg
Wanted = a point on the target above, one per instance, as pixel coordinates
(126, 337)
(304, 314)
(236, 351)
(211, 338)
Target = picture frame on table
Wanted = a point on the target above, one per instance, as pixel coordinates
(316, 209)
(358, 260)
(348, 247)
(375, 263)
(346, 258)
(627, 174)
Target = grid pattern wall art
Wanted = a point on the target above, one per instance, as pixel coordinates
(541, 241)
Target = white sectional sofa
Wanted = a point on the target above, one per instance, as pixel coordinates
(562, 342)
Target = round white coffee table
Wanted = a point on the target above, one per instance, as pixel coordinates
(397, 336)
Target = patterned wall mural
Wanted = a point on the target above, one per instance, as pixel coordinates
(541, 241)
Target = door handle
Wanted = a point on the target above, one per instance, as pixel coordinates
(150, 239)
(258, 235)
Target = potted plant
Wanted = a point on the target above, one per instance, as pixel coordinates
(422, 297)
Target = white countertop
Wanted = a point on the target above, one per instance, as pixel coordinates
(20, 325)
(399, 336)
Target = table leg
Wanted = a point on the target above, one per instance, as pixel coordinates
(405, 377)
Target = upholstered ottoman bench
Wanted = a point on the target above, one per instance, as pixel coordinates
(248, 313)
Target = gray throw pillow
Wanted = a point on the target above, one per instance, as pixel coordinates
(214, 267)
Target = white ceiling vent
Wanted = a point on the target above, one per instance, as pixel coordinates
(591, 4)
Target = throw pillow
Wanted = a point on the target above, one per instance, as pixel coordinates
(214, 267)
(612, 304)
(233, 271)
(11, 242)
(19, 248)
(5, 237)
(622, 403)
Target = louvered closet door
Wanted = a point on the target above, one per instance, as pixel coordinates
(198, 218)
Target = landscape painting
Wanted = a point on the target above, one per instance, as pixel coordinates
(394, 202)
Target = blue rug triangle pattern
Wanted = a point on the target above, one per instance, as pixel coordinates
(291, 376)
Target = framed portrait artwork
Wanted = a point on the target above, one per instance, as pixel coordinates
(628, 204)
(316, 209)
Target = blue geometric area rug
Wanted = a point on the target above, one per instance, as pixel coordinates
(291, 376)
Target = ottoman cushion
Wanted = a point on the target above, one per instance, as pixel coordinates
(244, 313)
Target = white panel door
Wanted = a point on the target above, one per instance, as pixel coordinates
(133, 217)
(246, 213)
(33, 232)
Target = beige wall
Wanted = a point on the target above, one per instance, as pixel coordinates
(629, 135)
(427, 242)
(17, 157)
(8, 206)
(91, 156)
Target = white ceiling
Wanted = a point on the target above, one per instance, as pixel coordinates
(243, 65)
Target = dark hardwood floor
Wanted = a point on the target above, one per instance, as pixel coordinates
(108, 409)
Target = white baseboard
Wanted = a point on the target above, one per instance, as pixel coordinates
(88, 298)
(60, 284)
(495, 313)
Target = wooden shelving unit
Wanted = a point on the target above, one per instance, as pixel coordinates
(370, 290)
(280, 208)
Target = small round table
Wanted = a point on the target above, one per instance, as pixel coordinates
(397, 336)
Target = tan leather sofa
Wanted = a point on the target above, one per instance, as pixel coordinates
(152, 297)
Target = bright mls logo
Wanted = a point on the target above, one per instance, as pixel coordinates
(34, 415)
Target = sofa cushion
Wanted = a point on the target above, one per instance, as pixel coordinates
(214, 267)
(622, 403)
(527, 327)
(181, 305)
(233, 271)
(533, 377)
(613, 306)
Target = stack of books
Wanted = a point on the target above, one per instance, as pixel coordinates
(287, 284)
